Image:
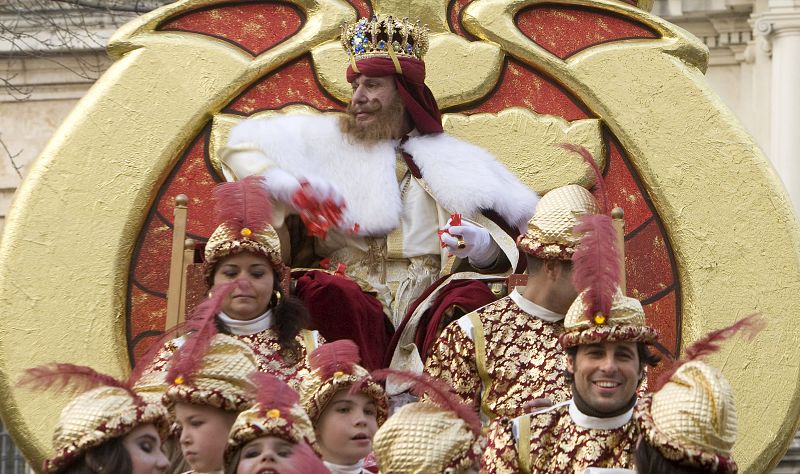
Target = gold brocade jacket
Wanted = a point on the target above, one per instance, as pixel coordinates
(266, 347)
(501, 356)
(560, 439)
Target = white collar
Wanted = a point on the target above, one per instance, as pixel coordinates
(534, 309)
(246, 328)
(586, 421)
(356, 468)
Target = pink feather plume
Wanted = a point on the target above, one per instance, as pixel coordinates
(599, 182)
(203, 327)
(437, 391)
(272, 392)
(243, 203)
(70, 378)
(596, 262)
(749, 327)
(335, 356)
(304, 461)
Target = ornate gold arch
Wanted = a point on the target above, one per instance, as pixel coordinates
(69, 236)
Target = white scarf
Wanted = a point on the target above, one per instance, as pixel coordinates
(356, 468)
(251, 326)
(586, 421)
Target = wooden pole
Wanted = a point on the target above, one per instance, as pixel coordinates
(177, 264)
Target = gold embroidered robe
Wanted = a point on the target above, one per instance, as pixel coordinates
(521, 359)
(560, 439)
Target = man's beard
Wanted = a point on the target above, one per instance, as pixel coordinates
(387, 122)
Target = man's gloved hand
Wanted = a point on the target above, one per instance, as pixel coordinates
(283, 187)
(472, 242)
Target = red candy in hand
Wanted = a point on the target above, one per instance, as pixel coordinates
(455, 219)
(318, 216)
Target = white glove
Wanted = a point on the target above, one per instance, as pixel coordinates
(322, 190)
(283, 186)
(476, 243)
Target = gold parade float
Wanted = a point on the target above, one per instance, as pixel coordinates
(711, 235)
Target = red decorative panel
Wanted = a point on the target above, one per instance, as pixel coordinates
(147, 315)
(363, 8)
(521, 86)
(254, 27)
(565, 30)
(454, 9)
(292, 84)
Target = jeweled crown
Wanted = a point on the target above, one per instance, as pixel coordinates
(385, 36)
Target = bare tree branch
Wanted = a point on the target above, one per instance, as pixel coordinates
(12, 157)
(136, 6)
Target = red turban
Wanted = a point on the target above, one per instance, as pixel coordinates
(417, 98)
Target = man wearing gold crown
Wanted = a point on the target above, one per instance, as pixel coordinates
(506, 354)
(606, 342)
(396, 178)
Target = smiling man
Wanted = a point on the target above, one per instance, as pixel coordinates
(606, 359)
(397, 179)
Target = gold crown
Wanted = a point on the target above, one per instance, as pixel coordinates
(626, 322)
(96, 416)
(549, 232)
(422, 437)
(692, 419)
(384, 36)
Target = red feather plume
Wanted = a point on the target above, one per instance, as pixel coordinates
(749, 326)
(70, 378)
(596, 263)
(304, 461)
(272, 392)
(335, 356)
(203, 327)
(437, 391)
(599, 182)
(243, 203)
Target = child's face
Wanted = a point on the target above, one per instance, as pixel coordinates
(204, 433)
(346, 427)
(263, 454)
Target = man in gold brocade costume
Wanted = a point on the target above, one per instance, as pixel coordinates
(606, 358)
(506, 354)
(397, 179)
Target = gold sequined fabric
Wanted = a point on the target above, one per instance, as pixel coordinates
(523, 361)
(289, 368)
(692, 419)
(222, 380)
(422, 438)
(316, 392)
(227, 240)
(625, 323)
(559, 446)
(257, 422)
(549, 233)
(96, 416)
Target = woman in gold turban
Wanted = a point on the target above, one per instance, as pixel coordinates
(243, 256)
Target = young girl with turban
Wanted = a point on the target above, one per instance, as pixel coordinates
(275, 435)
(345, 405)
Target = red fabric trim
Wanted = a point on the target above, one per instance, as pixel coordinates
(467, 294)
(341, 310)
